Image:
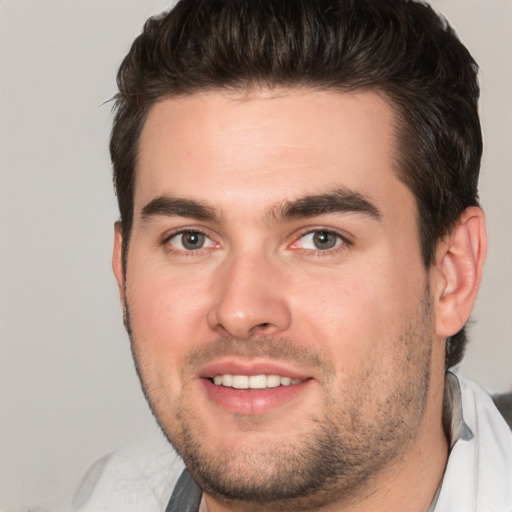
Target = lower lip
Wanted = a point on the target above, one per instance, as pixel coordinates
(253, 401)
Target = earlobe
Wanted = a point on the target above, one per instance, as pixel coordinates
(117, 259)
(459, 265)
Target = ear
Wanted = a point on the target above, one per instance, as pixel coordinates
(117, 259)
(458, 272)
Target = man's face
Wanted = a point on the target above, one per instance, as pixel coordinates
(274, 247)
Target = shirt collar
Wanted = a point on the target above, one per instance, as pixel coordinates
(453, 421)
(455, 427)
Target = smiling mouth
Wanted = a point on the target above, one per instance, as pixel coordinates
(253, 381)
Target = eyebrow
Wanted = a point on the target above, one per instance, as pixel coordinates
(340, 200)
(179, 207)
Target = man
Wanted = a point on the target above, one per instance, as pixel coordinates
(300, 247)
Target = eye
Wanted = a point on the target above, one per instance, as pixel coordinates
(320, 240)
(190, 241)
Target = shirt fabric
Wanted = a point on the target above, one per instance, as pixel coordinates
(150, 476)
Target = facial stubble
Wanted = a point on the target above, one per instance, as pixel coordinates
(351, 439)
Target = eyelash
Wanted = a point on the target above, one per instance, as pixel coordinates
(344, 244)
(183, 231)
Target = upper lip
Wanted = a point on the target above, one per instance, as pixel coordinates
(234, 366)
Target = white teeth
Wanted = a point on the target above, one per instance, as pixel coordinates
(273, 381)
(240, 382)
(257, 381)
(253, 381)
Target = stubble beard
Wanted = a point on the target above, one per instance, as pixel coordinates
(351, 439)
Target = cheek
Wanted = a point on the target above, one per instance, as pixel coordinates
(167, 315)
(357, 315)
(344, 315)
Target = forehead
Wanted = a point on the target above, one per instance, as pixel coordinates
(273, 144)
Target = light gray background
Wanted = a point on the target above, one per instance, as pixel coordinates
(68, 391)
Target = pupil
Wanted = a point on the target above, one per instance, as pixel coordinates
(324, 240)
(193, 240)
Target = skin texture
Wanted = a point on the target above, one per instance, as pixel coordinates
(357, 319)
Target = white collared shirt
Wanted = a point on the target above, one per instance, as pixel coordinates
(478, 475)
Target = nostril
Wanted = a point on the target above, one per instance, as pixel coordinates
(262, 328)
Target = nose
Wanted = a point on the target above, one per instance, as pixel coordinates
(251, 299)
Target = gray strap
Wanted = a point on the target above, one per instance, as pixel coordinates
(186, 495)
(504, 405)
